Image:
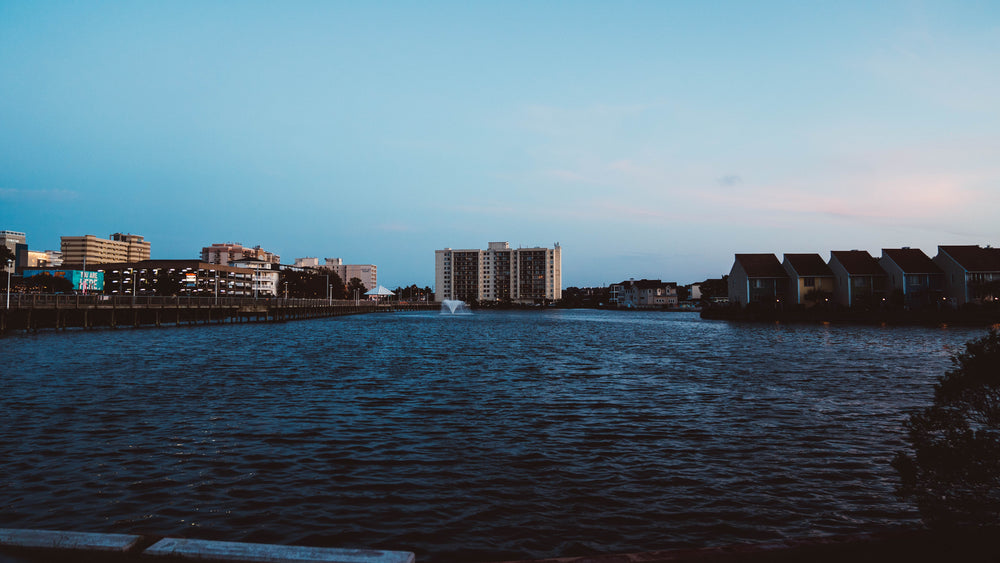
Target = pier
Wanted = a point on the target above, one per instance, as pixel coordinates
(60, 312)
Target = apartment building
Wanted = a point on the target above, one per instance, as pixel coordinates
(226, 252)
(367, 273)
(499, 273)
(89, 249)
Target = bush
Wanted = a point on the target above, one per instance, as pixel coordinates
(952, 469)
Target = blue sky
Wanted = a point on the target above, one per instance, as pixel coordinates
(650, 139)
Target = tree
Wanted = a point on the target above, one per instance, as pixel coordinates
(952, 468)
(714, 287)
(5, 255)
(46, 283)
(356, 284)
(310, 284)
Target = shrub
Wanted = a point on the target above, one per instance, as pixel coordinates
(952, 468)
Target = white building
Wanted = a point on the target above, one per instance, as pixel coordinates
(265, 276)
(499, 273)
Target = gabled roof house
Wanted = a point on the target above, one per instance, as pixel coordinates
(858, 278)
(810, 280)
(757, 278)
(971, 273)
(914, 274)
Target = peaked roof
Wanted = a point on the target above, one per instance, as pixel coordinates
(808, 265)
(645, 284)
(857, 262)
(974, 258)
(911, 260)
(380, 290)
(761, 266)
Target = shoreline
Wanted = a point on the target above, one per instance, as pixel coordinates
(904, 544)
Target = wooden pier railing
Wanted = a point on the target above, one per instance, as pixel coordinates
(32, 312)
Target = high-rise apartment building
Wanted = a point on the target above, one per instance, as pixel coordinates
(92, 250)
(499, 273)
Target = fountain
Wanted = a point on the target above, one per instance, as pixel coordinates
(454, 307)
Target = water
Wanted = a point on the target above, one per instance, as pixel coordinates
(482, 437)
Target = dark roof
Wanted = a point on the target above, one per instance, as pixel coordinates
(761, 266)
(811, 265)
(645, 284)
(911, 260)
(857, 262)
(974, 258)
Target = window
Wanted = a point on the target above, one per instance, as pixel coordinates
(809, 282)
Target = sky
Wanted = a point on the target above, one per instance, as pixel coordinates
(649, 139)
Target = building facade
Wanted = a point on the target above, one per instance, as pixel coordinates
(44, 259)
(499, 273)
(971, 273)
(757, 278)
(810, 279)
(265, 276)
(89, 249)
(644, 294)
(912, 274)
(367, 273)
(226, 252)
(859, 280)
(17, 243)
(177, 277)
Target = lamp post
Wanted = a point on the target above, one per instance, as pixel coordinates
(10, 266)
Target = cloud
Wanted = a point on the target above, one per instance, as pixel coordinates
(730, 180)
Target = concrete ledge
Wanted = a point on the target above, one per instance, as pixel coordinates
(218, 551)
(68, 541)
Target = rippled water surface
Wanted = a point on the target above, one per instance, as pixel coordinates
(483, 437)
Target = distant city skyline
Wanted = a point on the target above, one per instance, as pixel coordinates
(650, 140)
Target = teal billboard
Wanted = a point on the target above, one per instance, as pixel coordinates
(82, 281)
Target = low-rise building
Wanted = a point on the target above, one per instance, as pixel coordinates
(265, 276)
(810, 279)
(971, 273)
(757, 278)
(645, 294)
(44, 259)
(859, 281)
(176, 277)
(913, 275)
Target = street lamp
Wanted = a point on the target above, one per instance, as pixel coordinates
(10, 266)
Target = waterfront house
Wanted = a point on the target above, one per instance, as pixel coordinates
(858, 280)
(810, 279)
(757, 278)
(914, 276)
(971, 273)
(645, 294)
